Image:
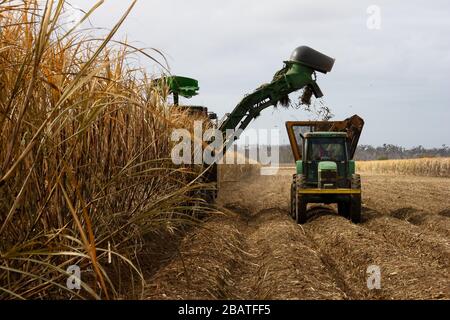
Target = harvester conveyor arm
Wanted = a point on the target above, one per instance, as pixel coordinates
(293, 77)
(297, 74)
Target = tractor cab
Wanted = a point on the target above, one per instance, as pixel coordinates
(326, 158)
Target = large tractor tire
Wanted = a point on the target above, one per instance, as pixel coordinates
(292, 203)
(356, 181)
(300, 214)
(355, 202)
(344, 209)
(355, 209)
(298, 203)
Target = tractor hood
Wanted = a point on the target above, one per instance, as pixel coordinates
(327, 165)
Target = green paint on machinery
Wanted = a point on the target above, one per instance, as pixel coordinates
(179, 86)
(327, 166)
(183, 86)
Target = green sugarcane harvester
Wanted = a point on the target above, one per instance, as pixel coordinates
(323, 150)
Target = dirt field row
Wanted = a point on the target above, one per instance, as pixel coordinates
(256, 251)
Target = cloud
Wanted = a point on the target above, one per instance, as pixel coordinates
(394, 77)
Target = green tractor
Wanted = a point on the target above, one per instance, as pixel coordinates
(325, 169)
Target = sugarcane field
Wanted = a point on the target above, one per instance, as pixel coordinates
(241, 151)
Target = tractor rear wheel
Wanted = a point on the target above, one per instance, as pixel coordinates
(344, 209)
(298, 203)
(300, 212)
(356, 182)
(355, 209)
(292, 204)
(355, 201)
(301, 202)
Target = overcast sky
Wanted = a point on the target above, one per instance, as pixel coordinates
(397, 77)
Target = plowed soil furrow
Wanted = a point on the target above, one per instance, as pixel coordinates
(288, 267)
(252, 252)
(431, 222)
(353, 249)
(390, 192)
(204, 264)
(247, 256)
(425, 245)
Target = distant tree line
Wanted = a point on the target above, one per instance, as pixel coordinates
(363, 152)
(390, 151)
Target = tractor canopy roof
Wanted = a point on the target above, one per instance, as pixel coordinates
(325, 134)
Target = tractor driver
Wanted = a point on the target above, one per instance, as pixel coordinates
(319, 152)
(325, 151)
(332, 151)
